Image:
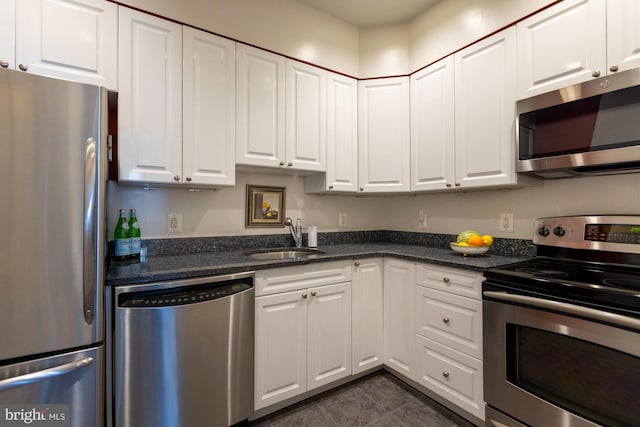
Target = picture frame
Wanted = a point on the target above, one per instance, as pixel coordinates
(265, 206)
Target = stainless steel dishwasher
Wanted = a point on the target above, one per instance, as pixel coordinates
(183, 352)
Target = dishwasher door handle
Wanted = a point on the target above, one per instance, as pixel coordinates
(45, 374)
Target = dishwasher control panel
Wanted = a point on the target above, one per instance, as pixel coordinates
(181, 296)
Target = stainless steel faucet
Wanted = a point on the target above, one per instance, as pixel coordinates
(296, 231)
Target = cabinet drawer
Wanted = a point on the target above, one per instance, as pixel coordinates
(461, 282)
(450, 319)
(286, 279)
(451, 374)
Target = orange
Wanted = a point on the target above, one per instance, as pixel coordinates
(475, 240)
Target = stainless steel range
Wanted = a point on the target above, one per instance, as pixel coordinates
(562, 331)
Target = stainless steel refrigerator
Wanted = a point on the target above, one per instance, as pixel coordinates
(52, 185)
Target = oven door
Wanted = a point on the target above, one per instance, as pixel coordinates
(550, 363)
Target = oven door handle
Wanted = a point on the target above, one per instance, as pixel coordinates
(570, 309)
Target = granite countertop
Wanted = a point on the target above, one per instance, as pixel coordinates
(173, 267)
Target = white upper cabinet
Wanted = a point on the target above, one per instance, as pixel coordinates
(8, 33)
(208, 144)
(68, 39)
(260, 107)
(485, 94)
(149, 99)
(574, 41)
(432, 127)
(623, 35)
(383, 135)
(342, 138)
(306, 108)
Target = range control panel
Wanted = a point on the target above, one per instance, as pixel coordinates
(617, 233)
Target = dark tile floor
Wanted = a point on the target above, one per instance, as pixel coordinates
(378, 399)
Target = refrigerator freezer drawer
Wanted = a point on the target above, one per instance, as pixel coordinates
(73, 382)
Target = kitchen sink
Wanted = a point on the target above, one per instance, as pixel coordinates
(283, 253)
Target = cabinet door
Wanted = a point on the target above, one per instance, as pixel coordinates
(150, 98)
(69, 39)
(260, 104)
(329, 334)
(383, 135)
(485, 83)
(623, 35)
(280, 347)
(306, 120)
(8, 33)
(208, 143)
(432, 127)
(342, 133)
(367, 307)
(399, 315)
(562, 45)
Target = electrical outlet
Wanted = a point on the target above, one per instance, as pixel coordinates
(506, 222)
(342, 219)
(422, 219)
(175, 223)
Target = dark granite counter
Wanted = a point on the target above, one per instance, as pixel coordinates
(198, 264)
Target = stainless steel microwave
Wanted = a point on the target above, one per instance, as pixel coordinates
(592, 128)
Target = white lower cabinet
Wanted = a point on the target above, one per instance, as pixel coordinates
(399, 314)
(367, 314)
(448, 335)
(303, 336)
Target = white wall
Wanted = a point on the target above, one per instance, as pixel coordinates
(384, 51)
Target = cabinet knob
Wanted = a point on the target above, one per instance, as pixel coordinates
(446, 320)
(331, 187)
(189, 179)
(176, 178)
(446, 279)
(282, 163)
(23, 67)
(313, 293)
(445, 374)
(304, 296)
(596, 73)
(613, 67)
(449, 185)
(290, 164)
(361, 189)
(4, 64)
(357, 264)
(457, 184)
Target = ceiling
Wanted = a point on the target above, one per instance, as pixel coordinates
(372, 13)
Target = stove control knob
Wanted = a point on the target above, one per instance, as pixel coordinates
(559, 231)
(543, 231)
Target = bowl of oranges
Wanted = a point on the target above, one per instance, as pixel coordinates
(470, 242)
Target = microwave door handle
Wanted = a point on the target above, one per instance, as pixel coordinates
(45, 374)
(89, 225)
(570, 309)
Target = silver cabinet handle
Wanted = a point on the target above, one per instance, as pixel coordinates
(290, 164)
(457, 184)
(445, 374)
(89, 281)
(613, 67)
(448, 185)
(45, 374)
(331, 187)
(188, 179)
(4, 64)
(304, 296)
(176, 178)
(361, 189)
(446, 279)
(596, 73)
(282, 163)
(23, 67)
(446, 320)
(313, 293)
(569, 309)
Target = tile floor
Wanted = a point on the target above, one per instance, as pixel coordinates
(378, 399)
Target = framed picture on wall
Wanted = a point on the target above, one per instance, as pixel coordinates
(265, 206)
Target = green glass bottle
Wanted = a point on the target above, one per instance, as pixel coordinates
(134, 234)
(121, 237)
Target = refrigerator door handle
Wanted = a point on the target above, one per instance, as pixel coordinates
(45, 374)
(90, 214)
